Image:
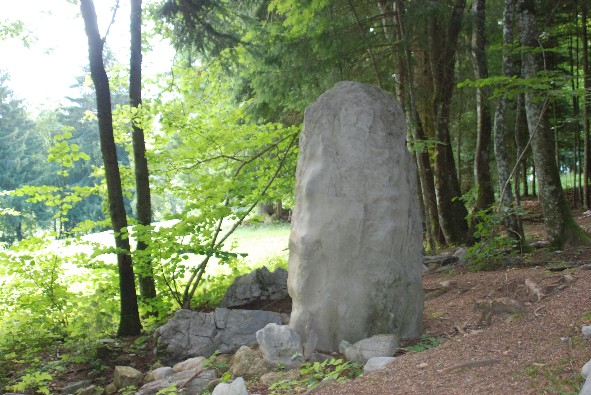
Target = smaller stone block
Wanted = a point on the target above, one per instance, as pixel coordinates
(126, 376)
(375, 346)
(189, 364)
(377, 363)
(158, 374)
(248, 362)
(237, 387)
(280, 345)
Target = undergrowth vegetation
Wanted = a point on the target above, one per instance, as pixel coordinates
(60, 297)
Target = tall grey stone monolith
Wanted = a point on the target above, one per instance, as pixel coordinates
(356, 240)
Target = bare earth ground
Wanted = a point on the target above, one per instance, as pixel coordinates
(538, 352)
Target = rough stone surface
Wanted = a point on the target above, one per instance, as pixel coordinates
(377, 363)
(355, 246)
(586, 369)
(260, 284)
(191, 363)
(236, 387)
(73, 387)
(91, 390)
(195, 386)
(375, 346)
(248, 362)
(191, 333)
(586, 390)
(125, 376)
(110, 389)
(586, 331)
(280, 345)
(158, 374)
(238, 327)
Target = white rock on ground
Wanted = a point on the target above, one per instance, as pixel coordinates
(248, 362)
(158, 374)
(377, 363)
(237, 387)
(280, 345)
(188, 364)
(125, 376)
(375, 346)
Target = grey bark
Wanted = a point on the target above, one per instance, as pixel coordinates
(512, 221)
(558, 220)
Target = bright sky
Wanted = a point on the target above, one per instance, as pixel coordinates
(42, 74)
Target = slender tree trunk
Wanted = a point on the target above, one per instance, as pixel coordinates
(560, 225)
(586, 103)
(129, 324)
(418, 134)
(512, 221)
(575, 105)
(452, 211)
(485, 195)
(142, 179)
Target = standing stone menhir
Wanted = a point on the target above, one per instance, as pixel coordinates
(356, 240)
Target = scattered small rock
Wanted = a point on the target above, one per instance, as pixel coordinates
(73, 387)
(158, 374)
(376, 346)
(91, 390)
(189, 364)
(237, 387)
(280, 345)
(126, 376)
(248, 362)
(377, 363)
(586, 331)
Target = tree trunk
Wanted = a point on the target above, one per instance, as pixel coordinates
(452, 211)
(575, 104)
(129, 324)
(425, 170)
(142, 178)
(512, 221)
(560, 225)
(485, 195)
(586, 104)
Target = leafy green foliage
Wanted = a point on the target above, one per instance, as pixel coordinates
(219, 164)
(313, 373)
(35, 382)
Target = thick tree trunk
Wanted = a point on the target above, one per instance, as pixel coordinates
(485, 195)
(142, 178)
(560, 226)
(512, 221)
(452, 211)
(129, 324)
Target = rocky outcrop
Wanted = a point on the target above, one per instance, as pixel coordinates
(355, 262)
(258, 285)
(192, 333)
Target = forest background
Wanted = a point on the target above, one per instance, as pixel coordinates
(497, 99)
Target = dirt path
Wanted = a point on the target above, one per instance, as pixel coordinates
(539, 351)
